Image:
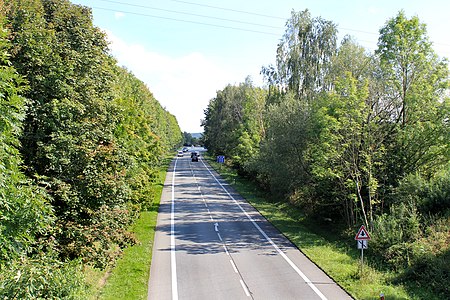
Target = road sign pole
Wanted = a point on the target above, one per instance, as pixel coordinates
(362, 238)
(362, 259)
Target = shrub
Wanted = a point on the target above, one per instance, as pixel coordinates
(430, 196)
(42, 277)
(394, 232)
(431, 272)
(429, 267)
(100, 241)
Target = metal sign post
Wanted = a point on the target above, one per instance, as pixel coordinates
(362, 238)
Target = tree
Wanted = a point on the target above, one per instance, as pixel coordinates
(234, 125)
(145, 131)
(281, 163)
(344, 153)
(190, 140)
(93, 134)
(303, 55)
(24, 208)
(416, 81)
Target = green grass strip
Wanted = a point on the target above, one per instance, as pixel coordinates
(129, 279)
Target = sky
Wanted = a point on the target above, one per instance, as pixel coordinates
(186, 51)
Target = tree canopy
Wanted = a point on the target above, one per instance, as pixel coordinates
(80, 141)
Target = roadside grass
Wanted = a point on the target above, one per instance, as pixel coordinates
(129, 278)
(337, 257)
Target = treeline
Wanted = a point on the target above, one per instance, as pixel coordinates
(352, 137)
(80, 143)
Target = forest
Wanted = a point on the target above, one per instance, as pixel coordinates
(351, 137)
(80, 141)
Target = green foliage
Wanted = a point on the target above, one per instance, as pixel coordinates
(24, 210)
(89, 133)
(429, 267)
(284, 147)
(189, 140)
(415, 246)
(42, 277)
(413, 241)
(350, 137)
(234, 123)
(24, 213)
(145, 131)
(431, 273)
(416, 81)
(394, 234)
(99, 242)
(430, 196)
(304, 55)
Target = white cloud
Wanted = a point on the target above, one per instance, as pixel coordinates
(184, 85)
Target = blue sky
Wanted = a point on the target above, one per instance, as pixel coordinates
(172, 46)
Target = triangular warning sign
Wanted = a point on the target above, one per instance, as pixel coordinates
(362, 234)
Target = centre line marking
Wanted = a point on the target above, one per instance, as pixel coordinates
(245, 288)
(287, 259)
(234, 266)
(226, 250)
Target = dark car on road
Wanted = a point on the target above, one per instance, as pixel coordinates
(195, 155)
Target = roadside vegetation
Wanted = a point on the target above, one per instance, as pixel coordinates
(328, 247)
(129, 278)
(82, 143)
(343, 137)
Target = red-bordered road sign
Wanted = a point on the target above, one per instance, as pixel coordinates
(362, 234)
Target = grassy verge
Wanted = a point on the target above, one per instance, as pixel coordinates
(338, 258)
(129, 278)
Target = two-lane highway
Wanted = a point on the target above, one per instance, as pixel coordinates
(211, 244)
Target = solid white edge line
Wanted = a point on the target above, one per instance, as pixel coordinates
(173, 262)
(287, 259)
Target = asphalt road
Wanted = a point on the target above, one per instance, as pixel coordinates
(211, 244)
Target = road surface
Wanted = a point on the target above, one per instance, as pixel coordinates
(211, 244)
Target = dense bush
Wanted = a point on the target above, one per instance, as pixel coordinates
(416, 246)
(431, 272)
(429, 267)
(99, 241)
(417, 227)
(42, 277)
(429, 195)
(394, 234)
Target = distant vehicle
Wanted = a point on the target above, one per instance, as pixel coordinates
(185, 149)
(180, 154)
(194, 156)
